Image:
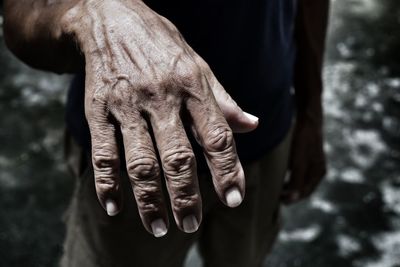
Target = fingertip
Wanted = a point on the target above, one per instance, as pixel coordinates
(159, 228)
(253, 119)
(243, 122)
(190, 224)
(111, 208)
(233, 197)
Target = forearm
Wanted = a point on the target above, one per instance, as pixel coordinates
(33, 31)
(311, 28)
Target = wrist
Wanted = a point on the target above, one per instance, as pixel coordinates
(76, 27)
(81, 19)
(73, 22)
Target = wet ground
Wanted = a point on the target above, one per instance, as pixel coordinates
(353, 219)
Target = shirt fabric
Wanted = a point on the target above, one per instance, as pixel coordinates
(249, 45)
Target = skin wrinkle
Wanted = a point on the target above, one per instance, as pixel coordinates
(185, 201)
(140, 70)
(104, 159)
(219, 139)
(184, 197)
(223, 159)
(147, 189)
(105, 182)
(148, 203)
(46, 33)
(183, 187)
(226, 172)
(225, 165)
(144, 168)
(133, 123)
(172, 151)
(143, 171)
(179, 165)
(105, 166)
(224, 182)
(182, 183)
(179, 162)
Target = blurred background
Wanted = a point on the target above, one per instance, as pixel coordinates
(353, 219)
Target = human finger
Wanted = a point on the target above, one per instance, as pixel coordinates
(105, 157)
(239, 120)
(179, 166)
(144, 174)
(216, 138)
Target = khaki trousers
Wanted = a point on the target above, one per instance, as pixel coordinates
(227, 237)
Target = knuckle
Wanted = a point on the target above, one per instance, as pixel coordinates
(143, 168)
(105, 183)
(148, 197)
(204, 66)
(167, 23)
(148, 207)
(97, 99)
(105, 160)
(184, 201)
(179, 162)
(152, 90)
(219, 139)
(226, 168)
(188, 71)
(188, 74)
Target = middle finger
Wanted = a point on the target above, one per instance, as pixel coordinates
(179, 165)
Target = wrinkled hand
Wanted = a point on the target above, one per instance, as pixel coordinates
(307, 164)
(142, 74)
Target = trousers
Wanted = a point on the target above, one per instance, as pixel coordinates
(227, 237)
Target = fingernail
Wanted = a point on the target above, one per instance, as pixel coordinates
(111, 208)
(253, 118)
(233, 197)
(190, 224)
(159, 228)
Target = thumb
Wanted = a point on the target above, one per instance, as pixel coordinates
(238, 120)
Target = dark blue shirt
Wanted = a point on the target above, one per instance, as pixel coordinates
(249, 45)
